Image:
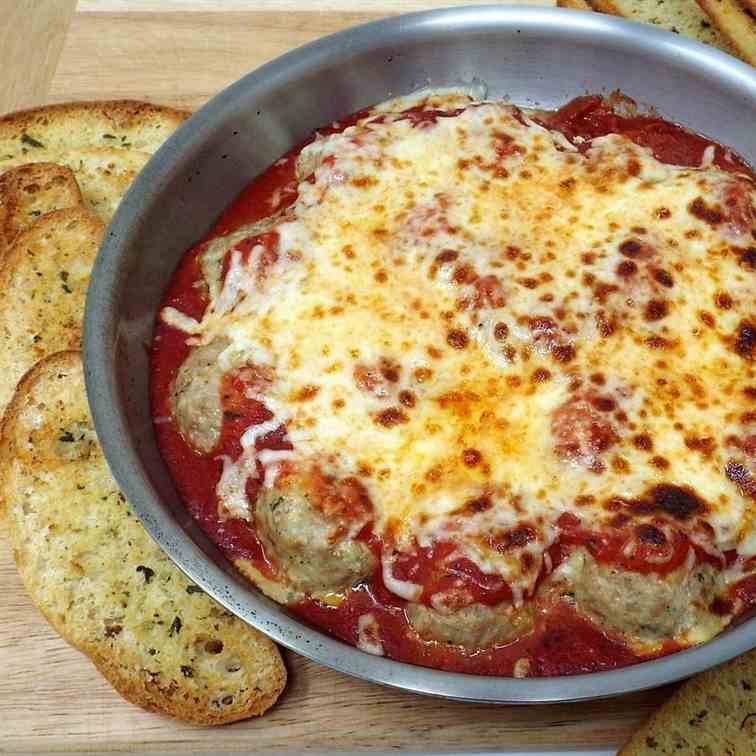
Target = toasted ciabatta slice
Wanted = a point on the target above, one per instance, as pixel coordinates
(103, 173)
(124, 124)
(737, 25)
(100, 579)
(713, 713)
(681, 16)
(45, 276)
(105, 144)
(32, 190)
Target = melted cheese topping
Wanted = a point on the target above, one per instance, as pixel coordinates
(489, 329)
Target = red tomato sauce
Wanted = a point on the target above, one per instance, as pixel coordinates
(437, 569)
(592, 116)
(561, 642)
(659, 556)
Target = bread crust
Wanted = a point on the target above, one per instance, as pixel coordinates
(574, 4)
(113, 123)
(47, 269)
(712, 713)
(105, 144)
(102, 582)
(30, 190)
(735, 24)
(676, 16)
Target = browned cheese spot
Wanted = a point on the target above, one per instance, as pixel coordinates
(464, 274)
(626, 269)
(658, 342)
(663, 277)
(744, 340)
(446, 256)
(407, 398)
(620, 465)
(680, 502)
(479, 504)
(605, 324)
(723, 300)
(501, 331)
(457, 339)
(602, 290)
(422, 374)
(747, 258)
(707, 318)
(711, 215)
(511, 539)
(563, 352)
(364, 181)
(650, 534)
(643, 442)
(391, 417)
(630, 248)
(306, 393)
(471, 457)
(656, 309)
(704, 445)
(603, 403)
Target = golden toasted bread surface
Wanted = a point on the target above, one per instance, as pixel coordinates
(46, 273)
(680, 16)
(110, 123)
(103, 173)
(574, 4)
(713, 714)
(737, 25)
(102, 582)
(32, 190)
(105, 144)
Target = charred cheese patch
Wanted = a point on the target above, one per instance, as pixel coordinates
(489, 328)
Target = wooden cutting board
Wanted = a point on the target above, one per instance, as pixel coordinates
(51, 699)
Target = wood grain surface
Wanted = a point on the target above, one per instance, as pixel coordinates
(51, 698)
(31, 38)
(181, 52)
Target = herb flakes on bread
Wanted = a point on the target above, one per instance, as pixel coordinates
(99, 578)
(121, 124)
(105, 144)
(679, 16)
(736, 24)
(103, 174)
(31, 190)
(712, 714)
(45, 275)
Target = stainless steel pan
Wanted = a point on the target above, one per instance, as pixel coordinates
(536, 57)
